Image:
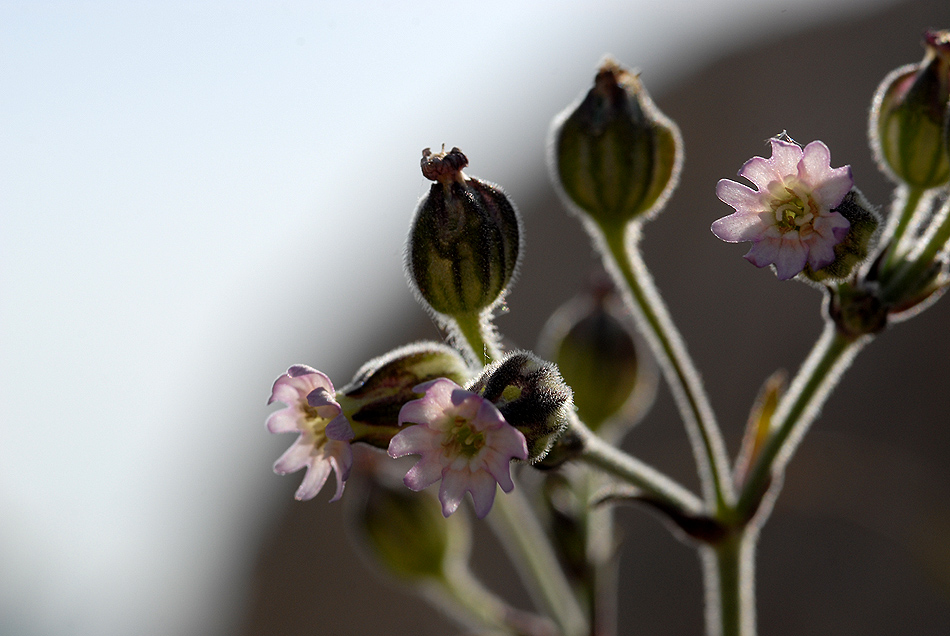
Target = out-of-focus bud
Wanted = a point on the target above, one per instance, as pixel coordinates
(405, 532)
(596, 353)
(855, 247)
(614, 154)
(858, 311)
(531, 395)
(465, 240)
(371, 402)
(909, 115)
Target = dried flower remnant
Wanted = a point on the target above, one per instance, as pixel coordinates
(790, 218)
(463, 440)
(324, 441)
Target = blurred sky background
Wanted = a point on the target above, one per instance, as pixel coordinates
(194, 195)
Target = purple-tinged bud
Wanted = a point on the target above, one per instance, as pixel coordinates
(465, 241)
(855, 247)
(614, 155)
(371, 402)
(531, 396)
(909, 118)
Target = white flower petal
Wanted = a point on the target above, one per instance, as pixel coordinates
(313, 481)
(451, 492)
(417, 439)
(283, 421)
(741, 197)
(482, 487)
(785, 158)
(740, 227)
(791, 257)
(295, 457)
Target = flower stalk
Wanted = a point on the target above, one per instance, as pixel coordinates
(623, 259)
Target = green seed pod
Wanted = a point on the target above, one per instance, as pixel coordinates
(595, 351)
(465, 241)
(532, 397)
(405, 532)
(371, 402)
(909, 116)
(855, 247)
(615, 156)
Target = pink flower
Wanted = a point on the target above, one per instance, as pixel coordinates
(789, 218)
(324, 441)
(463, 440)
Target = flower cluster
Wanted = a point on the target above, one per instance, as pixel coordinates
(790, 217)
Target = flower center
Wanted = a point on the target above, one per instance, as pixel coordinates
(463, 440)
(793, 211)
(316, 424)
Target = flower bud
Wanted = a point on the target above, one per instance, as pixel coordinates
(465, 240)
(909, 115)
(858, 311)
(406, 533)
(614, 154)
(855, 246)
(371, 402)
(531, 396)
(595, 351)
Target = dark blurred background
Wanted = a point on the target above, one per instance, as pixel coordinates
(859, 542)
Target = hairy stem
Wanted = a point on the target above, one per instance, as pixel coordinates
(729, 574)
(614, 461)
(513, 519)
(831, 355)
(522, 536)
(623, 259)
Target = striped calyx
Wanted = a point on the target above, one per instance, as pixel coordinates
(614, 154)
(465, 239)
(909, 118)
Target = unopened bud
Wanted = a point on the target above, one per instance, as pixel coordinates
(406, 533)
(858, 311)
(909, 117)
(531, 395)
(614, 154)
(855, 247)
(371, 402)
(595, 351)
(465, 240)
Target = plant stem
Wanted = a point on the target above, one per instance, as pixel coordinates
(623, 259)
(468, 596)
(474, 331)
(514, 521)
(612, 460)
(911, 200)
(729, 573)
(528, 546)
(932, 242)
(831, 355)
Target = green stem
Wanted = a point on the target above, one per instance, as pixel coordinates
(910, 271)
(667, 344)
(514, 521)
(729, 573)
(910, 202)
(524, 539)
(611, 459)
(475, 331)
(468, 597)
(830, 356)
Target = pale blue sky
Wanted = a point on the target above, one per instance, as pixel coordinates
(181, 185)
